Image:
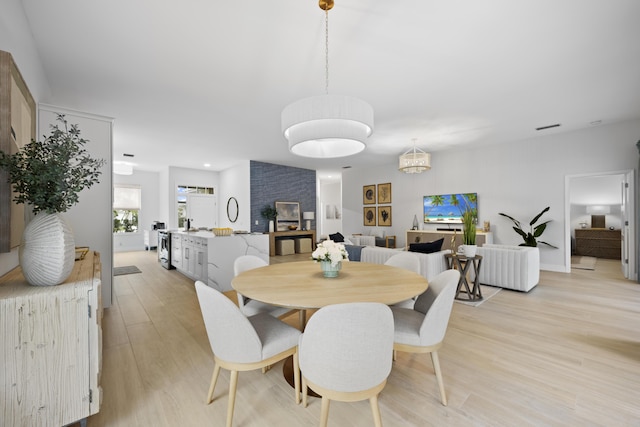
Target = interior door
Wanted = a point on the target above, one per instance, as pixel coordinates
(202, 209)
(628, 248)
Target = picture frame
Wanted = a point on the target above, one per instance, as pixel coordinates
(288, 215)
(384, 193)
(369, 216)
(384, 216)
(369, 194)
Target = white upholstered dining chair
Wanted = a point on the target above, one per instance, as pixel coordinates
(422, 329)
(241, 343)
(408, 261)
(345, 354)
(248, 306)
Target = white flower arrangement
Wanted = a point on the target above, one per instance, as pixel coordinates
(330, 251)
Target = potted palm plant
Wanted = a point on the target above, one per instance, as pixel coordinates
(469, 233)
(48, 175)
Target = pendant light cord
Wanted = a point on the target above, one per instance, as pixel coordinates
(326, 50)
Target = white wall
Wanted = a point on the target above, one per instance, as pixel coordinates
(236, 182)
(518, 178)
(149, 183)
(91, 219)
(15, 38)
(330, 200)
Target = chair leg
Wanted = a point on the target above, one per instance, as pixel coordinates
(233, 385)
(214, 380)
(375, 408)
(324, 412)
(395, 355)
(436, 368)
(296, 377)
(304, 392)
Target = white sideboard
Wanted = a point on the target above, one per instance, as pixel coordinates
(51, 352)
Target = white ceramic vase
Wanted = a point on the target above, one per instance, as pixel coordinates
(47, 251)
(271, 226)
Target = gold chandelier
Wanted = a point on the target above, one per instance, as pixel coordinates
(327, 126)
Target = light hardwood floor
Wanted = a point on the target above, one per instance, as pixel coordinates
(565, 354)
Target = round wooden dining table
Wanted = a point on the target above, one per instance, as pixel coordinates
(301, 285)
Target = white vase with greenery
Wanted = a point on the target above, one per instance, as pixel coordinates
(47, 175)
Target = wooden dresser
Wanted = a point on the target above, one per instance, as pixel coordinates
(51, 348)
(599, 243)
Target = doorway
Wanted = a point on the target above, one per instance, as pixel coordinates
(610, 195)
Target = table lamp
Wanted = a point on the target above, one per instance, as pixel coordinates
(308, 216)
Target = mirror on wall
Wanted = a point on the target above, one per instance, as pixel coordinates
(232, 209)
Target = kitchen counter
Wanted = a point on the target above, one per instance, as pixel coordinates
(197, 248)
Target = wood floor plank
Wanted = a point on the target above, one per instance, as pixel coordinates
(565, 354)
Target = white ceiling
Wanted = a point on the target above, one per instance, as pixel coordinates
(192, 82)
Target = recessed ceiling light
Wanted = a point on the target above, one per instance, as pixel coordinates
(207, 165)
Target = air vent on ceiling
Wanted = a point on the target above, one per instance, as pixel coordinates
(127, 155)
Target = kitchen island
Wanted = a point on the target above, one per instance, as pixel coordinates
(201, 255)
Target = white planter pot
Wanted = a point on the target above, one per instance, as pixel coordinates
(271, 226)
(470, 250)
(47, 251)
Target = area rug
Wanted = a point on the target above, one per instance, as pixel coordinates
(583, 262)
(128, 269)
(487, 292)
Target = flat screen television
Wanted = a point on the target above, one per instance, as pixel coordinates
(448, 208)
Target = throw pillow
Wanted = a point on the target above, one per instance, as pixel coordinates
(427, 248)
(337, 237)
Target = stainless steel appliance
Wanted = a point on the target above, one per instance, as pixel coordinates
(164, 249)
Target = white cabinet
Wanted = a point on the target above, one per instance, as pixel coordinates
(150, 239)
(176, 251)
(194, 257)
(51, 352)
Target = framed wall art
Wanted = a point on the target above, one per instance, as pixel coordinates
(369, 216)
(369, 195)
(384, 216)
(384, 193)
(288, 216)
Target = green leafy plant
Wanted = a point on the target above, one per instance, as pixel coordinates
(469, 228)
(269, 212)
(49, 174)
(530, 237)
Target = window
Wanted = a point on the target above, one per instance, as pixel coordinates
(126, 206)
(183, 192)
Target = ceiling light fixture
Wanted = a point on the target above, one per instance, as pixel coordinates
(415, 160)
(327, 126)
(122, 168)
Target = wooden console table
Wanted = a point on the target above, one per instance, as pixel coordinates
(276, 235)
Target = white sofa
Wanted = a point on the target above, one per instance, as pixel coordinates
(430, 264)
(511, 267)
